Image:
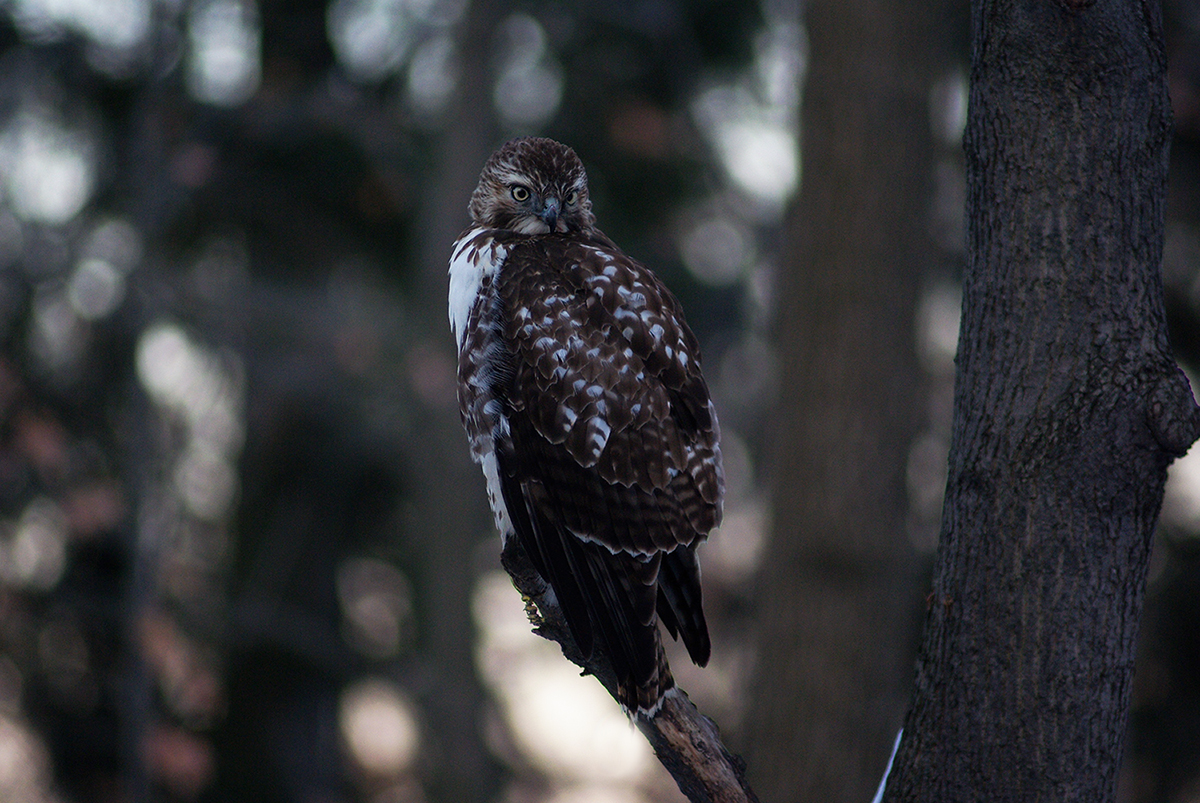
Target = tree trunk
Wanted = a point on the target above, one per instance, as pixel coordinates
(449, 511)
(1068, 408)
(837, 579)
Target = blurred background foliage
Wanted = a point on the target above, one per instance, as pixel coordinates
(243, 553)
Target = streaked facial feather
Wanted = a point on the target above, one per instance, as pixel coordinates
(547, 169)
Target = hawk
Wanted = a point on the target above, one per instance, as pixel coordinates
(580, 390)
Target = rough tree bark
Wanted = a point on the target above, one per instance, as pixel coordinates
(1068, 408)
(833, 623)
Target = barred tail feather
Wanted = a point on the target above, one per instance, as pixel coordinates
(679, 603)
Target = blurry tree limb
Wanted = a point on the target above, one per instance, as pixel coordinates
(446, 523)
(838, 578)
(686, 742)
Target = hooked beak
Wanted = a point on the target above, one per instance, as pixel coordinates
(549, 213)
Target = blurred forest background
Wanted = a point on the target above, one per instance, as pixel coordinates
(243, 553)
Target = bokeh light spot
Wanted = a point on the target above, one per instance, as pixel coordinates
(95, 288)
(24, 764)
(433, 75)
(376, 603)
(379, 726)
(761, 158)
(1181, 502)
(370, 37)
(206, 481)
(113, 24)
(567, 724)
(223, 64)
(58, 337)
(48, 169)
(716, 249)
(35, 553)
(529, 88)
(937, 326)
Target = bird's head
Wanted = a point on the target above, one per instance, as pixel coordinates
(533, 185)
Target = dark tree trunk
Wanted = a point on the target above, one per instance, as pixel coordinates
(835, 589)
(1068, 408)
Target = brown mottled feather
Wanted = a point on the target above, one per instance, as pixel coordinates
(576, 368)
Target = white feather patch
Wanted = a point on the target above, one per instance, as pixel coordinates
(491, 472)
(473, 258)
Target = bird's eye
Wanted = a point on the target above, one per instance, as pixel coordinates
(571, 198)
(519, 193)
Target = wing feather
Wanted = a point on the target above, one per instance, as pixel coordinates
(607, 368)
(607, 447)
(551, 554)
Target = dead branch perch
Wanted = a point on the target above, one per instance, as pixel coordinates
(686, 742)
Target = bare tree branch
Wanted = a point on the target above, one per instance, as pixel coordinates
(686, 742)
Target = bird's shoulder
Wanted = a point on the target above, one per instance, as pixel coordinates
(604, 364)
(585, 280)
